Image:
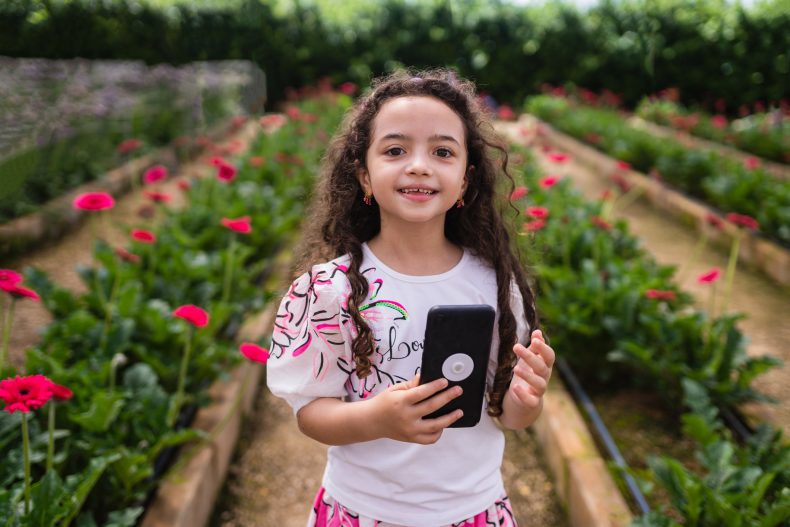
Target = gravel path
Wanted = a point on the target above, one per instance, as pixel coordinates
(766, 305)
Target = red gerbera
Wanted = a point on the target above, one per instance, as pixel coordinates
(192, 314)
(94, 201)
(129, 145)
(601, 223)
(558, 158)
(710, 276)
(549, 181)
(518, 193)
(659, 294)
(23, 394)
(534, 225)
(241, 225)
(254, 352)
(17, 291)
(157, 197)
(226, 172)
(349, 88)
(154, 174)
(537, 212)
(743, 220)
(9, 278)
(61, 393)
(144, 236)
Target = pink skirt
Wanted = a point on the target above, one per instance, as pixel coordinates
(327, 512)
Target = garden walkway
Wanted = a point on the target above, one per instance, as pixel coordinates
(766, 305)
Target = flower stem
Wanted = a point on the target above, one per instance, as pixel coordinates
(108, 309)
(9, 316)
(51, 445)
(182, 375)
(228, 271)
(731, 265)
(26, 457)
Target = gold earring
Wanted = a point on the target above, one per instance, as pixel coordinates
(459, 203)
(368, 199)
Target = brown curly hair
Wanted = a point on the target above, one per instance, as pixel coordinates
(340, 221)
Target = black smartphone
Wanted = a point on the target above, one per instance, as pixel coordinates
(457, 346)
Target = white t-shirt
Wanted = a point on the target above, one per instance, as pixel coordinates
(310, 357)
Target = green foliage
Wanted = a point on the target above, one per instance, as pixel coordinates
(720, 182)
(632, 48)
(118, 347)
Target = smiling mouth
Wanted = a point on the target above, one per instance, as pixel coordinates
(416, 191)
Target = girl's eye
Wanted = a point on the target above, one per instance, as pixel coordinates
(444, 152)
(394, 151)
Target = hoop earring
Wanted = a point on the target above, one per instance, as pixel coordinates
(459, 203)
(368, 199)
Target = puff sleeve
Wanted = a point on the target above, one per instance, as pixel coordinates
(310, 355)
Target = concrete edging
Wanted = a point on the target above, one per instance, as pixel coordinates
(581, 476)
(760, 253)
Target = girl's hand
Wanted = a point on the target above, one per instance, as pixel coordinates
(400, 409)
(532, 372)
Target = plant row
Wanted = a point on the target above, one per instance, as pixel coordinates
(618, 317)
(136, 370)
(65, 123)
(724, 184)
(764, 134)
(631, 48)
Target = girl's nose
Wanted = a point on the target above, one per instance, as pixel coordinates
(419, 165)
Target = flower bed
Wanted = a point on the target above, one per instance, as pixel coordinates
(119, 345)
(764, 134)
(616, 315)
(726, 185)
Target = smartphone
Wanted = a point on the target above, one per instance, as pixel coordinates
(457, 347)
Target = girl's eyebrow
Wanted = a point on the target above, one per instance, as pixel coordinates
(436, 138)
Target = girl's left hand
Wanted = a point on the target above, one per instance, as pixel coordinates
(532, 371)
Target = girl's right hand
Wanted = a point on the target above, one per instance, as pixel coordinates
(400, 410)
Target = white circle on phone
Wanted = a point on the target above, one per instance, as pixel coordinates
(457, 367)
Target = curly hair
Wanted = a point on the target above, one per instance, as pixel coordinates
(340, 222)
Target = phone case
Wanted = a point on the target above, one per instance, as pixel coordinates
(457, 347)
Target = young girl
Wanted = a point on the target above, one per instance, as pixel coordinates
(406, 217)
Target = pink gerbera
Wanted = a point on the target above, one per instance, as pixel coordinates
(23, 394)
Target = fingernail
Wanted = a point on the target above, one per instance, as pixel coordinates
(458, 390)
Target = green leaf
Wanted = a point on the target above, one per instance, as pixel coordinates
(80, 485)
(47, 501)
(102, 413)
(124, 518)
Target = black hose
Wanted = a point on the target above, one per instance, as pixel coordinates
(583, 399)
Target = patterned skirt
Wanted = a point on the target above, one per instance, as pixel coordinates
(327, 512)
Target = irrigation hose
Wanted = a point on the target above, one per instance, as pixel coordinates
(583, 399)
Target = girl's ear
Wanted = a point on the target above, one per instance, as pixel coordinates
(466, 179)
(362, 176)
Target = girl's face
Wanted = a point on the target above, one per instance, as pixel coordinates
(416, 162)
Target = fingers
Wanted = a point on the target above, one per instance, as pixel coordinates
(421, 392)
(522, 395)
(433, 428)
(537, 384)
(438, 401)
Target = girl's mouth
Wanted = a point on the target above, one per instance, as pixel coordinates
(417, 194)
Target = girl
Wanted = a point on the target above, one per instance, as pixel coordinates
(406, 218)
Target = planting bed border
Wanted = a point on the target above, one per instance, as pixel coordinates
(58, 216)
(756, 251)
(778, 170)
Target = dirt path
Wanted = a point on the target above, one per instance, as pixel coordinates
(277, 471)
(766, 305)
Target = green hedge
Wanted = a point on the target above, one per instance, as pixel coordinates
(708, 49)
